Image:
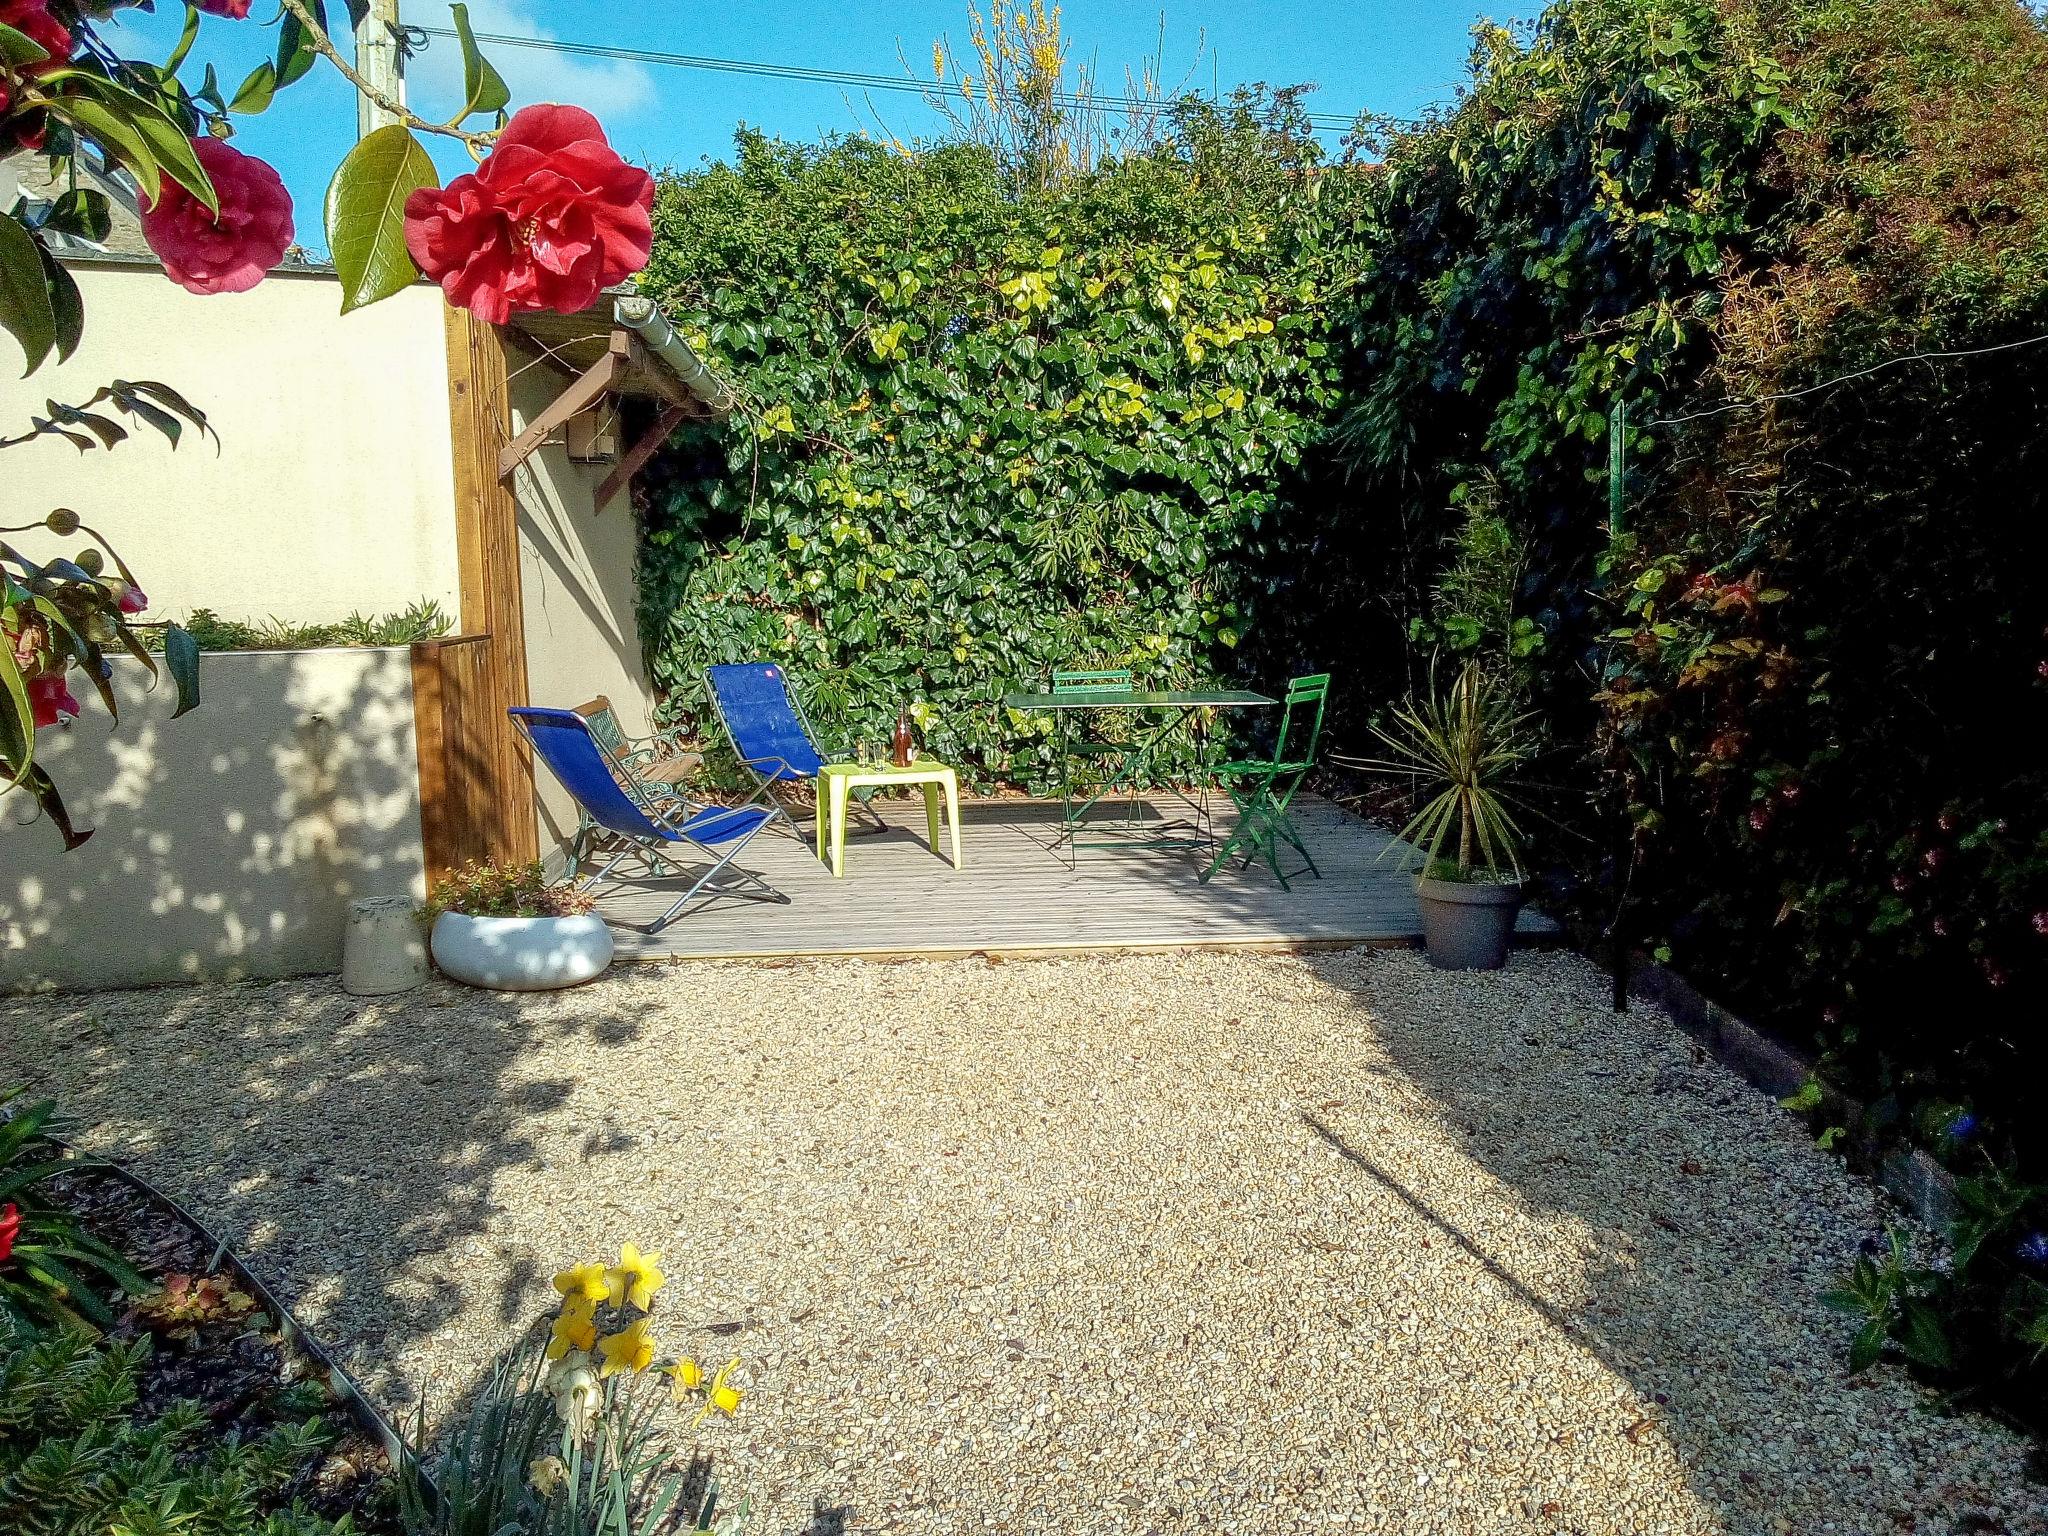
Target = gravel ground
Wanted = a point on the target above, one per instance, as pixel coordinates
(1154, 1244)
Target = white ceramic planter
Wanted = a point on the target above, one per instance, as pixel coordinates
(521, 954)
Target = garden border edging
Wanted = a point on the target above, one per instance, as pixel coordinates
(365, 1412)
(1907, 1173)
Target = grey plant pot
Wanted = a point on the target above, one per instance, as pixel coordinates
(1467, 925)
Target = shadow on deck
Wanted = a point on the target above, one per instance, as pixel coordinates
(1017, 895)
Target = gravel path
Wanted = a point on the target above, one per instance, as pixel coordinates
(1156, 1244)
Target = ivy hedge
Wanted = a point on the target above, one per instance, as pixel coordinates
(987, 436)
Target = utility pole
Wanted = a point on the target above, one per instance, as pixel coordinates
(379, 62)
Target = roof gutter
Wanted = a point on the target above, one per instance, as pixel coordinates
(642, 316)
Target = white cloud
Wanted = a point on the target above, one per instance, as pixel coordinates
(611, 88)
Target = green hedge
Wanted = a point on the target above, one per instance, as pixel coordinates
(985, 437)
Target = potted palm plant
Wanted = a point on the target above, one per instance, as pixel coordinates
(504, 926)
(1464, 745)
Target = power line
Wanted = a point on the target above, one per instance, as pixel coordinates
(1814, 389)
(1327, 122)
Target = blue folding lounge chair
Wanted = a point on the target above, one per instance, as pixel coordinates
(774, 741)
(642, 827)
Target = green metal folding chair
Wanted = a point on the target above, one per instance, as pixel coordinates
(1262, 791)
(1103, 761)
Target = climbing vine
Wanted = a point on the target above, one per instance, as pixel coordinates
(989, 434)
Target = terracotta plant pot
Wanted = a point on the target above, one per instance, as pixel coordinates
(521, 954)
(1467, 925)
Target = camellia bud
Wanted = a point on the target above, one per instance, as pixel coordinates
(90, 561)
(63, 522)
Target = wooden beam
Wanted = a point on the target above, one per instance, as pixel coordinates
(636, 457)
(596, 381)
(487, 544)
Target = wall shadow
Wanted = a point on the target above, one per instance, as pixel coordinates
(1709, 1228)
(226, 843)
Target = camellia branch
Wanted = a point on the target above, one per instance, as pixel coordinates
(324, 46)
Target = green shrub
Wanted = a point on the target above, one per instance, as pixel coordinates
(422, 620)
(76, 1457)
(505, 890)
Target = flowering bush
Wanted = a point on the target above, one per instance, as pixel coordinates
(550, 216)
(505, 890)
(564, 1438)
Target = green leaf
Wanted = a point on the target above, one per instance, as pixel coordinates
(483, 88)
(366, 214)
(117, 137)
(82, 213)
(1868, 1346)
(186, 39)
(25, 309)
(1923, 1338)
(44, 788)
(181, 656)
(66, 307)
(295, 51)
(17, 720)
(257, 90)
(19, 47)
(169, 144)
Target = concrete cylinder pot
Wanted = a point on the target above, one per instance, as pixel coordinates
(521, 954)
(1467, 925)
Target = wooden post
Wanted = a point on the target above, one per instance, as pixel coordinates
(487, 550)
(379, 62)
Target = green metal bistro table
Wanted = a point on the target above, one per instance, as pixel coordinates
(1182, 707)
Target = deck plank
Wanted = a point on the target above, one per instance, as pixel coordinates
(1015, 895)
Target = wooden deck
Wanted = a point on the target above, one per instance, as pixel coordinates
(1016, 895)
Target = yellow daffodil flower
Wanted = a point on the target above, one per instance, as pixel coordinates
(722, 1396)
(575, 1328)
(685, 1377)
(630, 1349)
(635, 1278)
(585, 1282)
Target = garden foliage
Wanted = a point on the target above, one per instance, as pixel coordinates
(988, 433)
(1797, 683)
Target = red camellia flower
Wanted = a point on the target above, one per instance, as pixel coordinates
(32, 18)
(10, 1228)
(132, 600)
(234, 10)
(550, 217)
(50, 698)
(231, 252)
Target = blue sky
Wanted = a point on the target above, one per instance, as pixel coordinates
(1387, 55)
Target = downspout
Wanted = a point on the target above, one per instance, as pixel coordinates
(642, 316)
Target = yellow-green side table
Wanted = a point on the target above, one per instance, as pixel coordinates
(836, 781)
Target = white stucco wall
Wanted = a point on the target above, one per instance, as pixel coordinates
(228, 843)
(576, 584)
(333, 488)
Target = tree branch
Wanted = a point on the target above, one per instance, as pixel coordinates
(324, 46)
